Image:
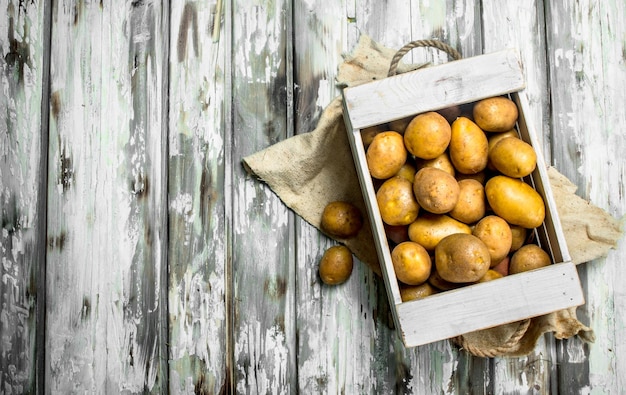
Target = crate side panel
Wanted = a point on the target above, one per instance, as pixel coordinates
(519, 296)
(434, 88)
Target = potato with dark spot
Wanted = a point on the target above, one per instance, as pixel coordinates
(462, 258)
(341, 219)
(495, 114)
(435, 190)
(336, 264)
(528, 257)
(386, 154)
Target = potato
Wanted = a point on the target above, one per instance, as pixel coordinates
(471, 204)
(490, 275)
(528, 257)
(341, 219)
(468, 147)
(519, 237)
(386, 154)
(336, 265)
(496, 234)
(513, 157)
(435, 190)
(495, 114)
(428, 229)
(427, 136)
(515, 201)
(396, 201)
(462, 258)
(411, 263)
(396, 233)
(407, 171)
(502, 267)
(414, 292)
(494, 138)
(481, 176)
(441, 162)
(439, 283)
(368, 134)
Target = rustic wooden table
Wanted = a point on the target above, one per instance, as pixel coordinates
(137, 254)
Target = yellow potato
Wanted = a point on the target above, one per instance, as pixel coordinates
(494, 138)
(442, 162)
(471, 204)
(490, 275)
(513, 157)
(468, 147)
(428, 229)
(528, 257)
(495, 114)
(519, 237)
(336, 265)
(427, 136)
(462, 258)
(411, 263)
(386, 154)
(396, 201)
(407, 171)
(341, 219)
(440, 284)
(515, 201)
(435, 190)
(414, 292)
(495, 232)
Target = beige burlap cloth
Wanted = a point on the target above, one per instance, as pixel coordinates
(310, 170)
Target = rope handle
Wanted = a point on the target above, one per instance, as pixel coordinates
(453, 53)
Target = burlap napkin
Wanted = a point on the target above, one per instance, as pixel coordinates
(312, 169)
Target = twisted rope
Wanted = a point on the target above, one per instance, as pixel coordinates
(453, 53)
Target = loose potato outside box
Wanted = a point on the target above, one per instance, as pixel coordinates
(511, 298)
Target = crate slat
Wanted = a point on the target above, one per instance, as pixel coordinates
(509, 299)
(434, 88)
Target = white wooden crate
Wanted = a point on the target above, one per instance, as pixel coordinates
(511, 298)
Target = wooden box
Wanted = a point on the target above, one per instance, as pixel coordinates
(511, 298)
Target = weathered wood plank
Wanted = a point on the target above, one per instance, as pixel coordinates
(106, 306)
(586, 42)
(23, 47)
(262, 240)
(515, 25)
(337, 335)
(197, 239)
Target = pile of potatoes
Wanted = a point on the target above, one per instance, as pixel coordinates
(450, 190)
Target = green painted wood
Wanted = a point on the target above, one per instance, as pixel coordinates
(262, 240)
(197, 231)
(585, 52)
(23, 50)
(106, 303)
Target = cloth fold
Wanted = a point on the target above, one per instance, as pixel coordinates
(310, 170)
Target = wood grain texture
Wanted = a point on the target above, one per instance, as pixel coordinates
(22, 194)
(197, 234)
(516, 25)
(106, 323)
(263, 249)
(585, 53)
